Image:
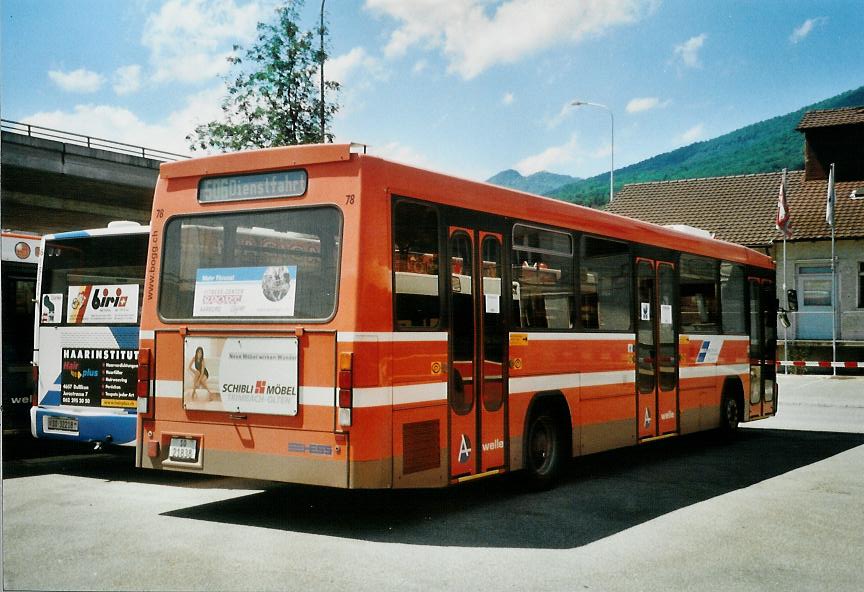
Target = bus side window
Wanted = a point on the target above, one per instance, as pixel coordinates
(699, 295)
(542, 263)
(605, 285)
(732, 303)
(416, 294)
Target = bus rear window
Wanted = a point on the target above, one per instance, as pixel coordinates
(265, 266)
(93, 280)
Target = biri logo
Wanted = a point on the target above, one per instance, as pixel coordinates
(102, 299)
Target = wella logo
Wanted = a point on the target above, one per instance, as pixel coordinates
(496, 445)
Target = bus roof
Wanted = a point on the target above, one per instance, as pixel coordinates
(108, 231)
(455, 191)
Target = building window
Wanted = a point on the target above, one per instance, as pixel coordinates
(861, 284)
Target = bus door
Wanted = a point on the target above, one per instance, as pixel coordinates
(656, 349)
(476, 389)
(763, 346)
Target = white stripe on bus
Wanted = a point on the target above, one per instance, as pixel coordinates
(576, 336)
(395, 337)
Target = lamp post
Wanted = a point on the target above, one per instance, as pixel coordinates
(321, 108)
(612, 134)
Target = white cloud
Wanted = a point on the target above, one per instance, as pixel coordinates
(122, 125)
(508, 98)
(399, 152)
(559, 157)
(806, 28)
(419, 67)
(357, 61)
(559, 118)
(688, 51)
(475, 37)
(697, 132)
(189, 40)
(77, 81)
(127, 79)
(356, 71)
(645, 104)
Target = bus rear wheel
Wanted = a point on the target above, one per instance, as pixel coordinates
(544, 454)
(730, 415)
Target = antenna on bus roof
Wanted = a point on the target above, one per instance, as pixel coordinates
(356, 146)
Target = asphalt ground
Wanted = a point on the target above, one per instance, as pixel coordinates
(776, 509)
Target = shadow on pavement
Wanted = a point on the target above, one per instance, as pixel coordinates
(599, 496)
(25, 456)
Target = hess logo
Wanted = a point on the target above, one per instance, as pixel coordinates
(101, 299)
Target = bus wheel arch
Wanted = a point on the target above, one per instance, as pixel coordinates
(547, 439)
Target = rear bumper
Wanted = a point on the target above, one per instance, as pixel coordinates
(93, 426)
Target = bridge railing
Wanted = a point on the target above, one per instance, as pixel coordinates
(37, 131)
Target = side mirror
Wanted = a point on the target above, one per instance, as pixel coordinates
(792, 300)
(784, 319)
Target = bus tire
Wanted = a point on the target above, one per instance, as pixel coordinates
(730, 415)
(544, 451)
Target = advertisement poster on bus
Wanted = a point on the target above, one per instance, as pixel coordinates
(241, 374)
(245, 291)
(52, 308)
(117, 303)
(99, 377)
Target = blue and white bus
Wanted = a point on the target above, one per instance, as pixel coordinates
(88, 310)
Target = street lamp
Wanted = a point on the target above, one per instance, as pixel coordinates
(321, 108)
(612, 134)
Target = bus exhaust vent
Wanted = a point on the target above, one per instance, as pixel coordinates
(420, 446)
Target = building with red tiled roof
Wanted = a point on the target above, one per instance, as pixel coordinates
(743, 208)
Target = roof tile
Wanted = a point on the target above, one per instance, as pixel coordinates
(831, 117)
(742, 208)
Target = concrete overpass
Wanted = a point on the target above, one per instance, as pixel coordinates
(54, 181)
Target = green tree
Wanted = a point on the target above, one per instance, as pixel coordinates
(273, 98)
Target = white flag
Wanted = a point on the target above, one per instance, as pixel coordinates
(783, 220)
(829, 206)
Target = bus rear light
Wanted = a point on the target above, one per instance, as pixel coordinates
(34, 396)
(346, 388)
(143, 388)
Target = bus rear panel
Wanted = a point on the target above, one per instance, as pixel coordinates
(90, 290)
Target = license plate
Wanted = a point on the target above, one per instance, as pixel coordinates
(183, 449)
(61, 424)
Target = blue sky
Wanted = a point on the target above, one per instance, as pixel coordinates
(469, 87)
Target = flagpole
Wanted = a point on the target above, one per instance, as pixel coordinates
(785, 328)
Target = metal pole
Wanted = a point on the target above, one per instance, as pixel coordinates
(578, 103)
(785, 277)
(785, 328)
(833, 205)
(833, 304)
(321, 30)
(612, 169)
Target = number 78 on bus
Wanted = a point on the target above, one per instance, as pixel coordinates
(318, 315)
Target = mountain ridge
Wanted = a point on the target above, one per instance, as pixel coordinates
(762, 147)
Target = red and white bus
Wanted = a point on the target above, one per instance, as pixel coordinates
(317, 315)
